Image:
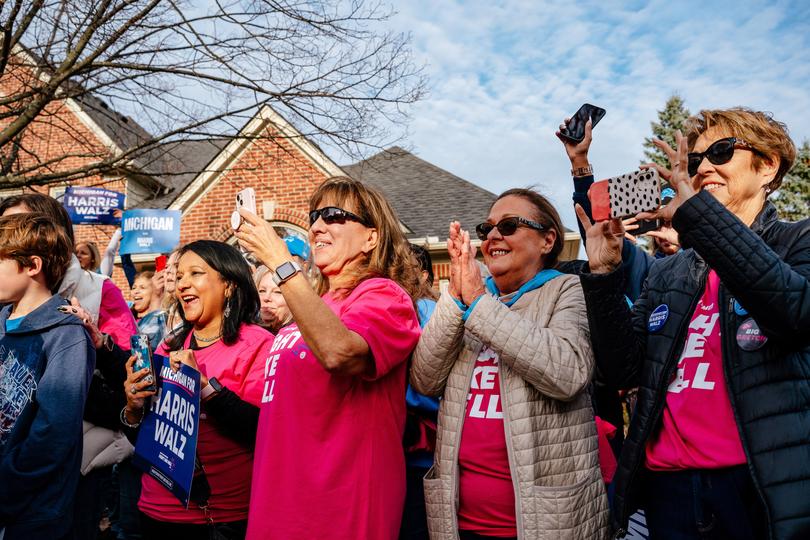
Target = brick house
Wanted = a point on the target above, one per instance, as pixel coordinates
(201, 177)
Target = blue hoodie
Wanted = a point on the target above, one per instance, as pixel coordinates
(46, 365)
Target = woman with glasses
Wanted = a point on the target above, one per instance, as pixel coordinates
(329, 459)
(717, 342)
(516, 451)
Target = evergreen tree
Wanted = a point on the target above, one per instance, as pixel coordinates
(792, 199)
(670, 119)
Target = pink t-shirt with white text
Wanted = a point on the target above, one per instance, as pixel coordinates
(698, 430)
(228, 464)
(329, 458)
(486, 492)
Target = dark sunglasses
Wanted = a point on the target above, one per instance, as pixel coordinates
(718, 153)
(333, 214)
(506, 226)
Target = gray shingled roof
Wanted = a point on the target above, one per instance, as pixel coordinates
(125, 132)
(176, 164)
(425, 196)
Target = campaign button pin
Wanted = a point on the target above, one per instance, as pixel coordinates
(739, 310)
(657, 318)
(749, 336)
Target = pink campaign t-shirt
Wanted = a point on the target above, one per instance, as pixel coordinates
(486, 493)
(329, 458)
(698, 430)
(228, 465)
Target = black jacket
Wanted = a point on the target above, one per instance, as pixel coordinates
(764, 268)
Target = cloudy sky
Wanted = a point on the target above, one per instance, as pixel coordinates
(504, 74)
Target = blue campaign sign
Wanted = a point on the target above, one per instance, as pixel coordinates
(90, 205)
(150, 231)
(167, 441)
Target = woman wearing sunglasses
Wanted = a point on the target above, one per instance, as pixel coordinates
(329, 459)
(516, 452)
(717, 343)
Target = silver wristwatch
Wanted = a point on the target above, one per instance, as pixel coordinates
(285, 271)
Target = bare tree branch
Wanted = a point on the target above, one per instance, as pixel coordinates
(188, 72)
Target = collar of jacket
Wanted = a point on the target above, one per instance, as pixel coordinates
(766, 216)
(542, 277)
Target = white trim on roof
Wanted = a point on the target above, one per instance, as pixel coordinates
(205, 181)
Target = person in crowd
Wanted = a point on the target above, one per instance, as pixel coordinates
(96, 293)
(717, 342)
(104, 444)
(45, 371)
(88, 255)
(146, 306)
(420, 423)
(274, 313)
(511, 359)
(218, 303)
(170, 304)
(107, 307)
(329, 452)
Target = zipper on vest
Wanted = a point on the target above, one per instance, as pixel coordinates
(728, 348)
(661, 392)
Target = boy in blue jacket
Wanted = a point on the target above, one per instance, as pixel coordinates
(46, 364)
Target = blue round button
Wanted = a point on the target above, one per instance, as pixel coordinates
(657, 318)
(739, 310)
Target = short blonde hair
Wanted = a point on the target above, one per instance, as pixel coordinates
(768, 137)
(93, 252)
(391, 258)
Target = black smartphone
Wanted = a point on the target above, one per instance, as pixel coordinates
(646, 225)
(575, 130)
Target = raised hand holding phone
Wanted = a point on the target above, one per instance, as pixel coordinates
(678, 177)
(261, 239)
(574, 128)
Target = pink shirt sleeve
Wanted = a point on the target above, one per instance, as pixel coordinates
(114, 316)
(383, 315)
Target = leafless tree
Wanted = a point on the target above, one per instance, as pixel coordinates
(186, 70)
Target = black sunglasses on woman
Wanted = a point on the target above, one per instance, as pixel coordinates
(718, 153)
(333, 214)
(506, 226)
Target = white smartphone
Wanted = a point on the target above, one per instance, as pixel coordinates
(244, 199)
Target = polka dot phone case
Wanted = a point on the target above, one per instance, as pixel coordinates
(626, 195)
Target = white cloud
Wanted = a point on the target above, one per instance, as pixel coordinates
(504, 76)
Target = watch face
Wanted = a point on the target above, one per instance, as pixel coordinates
(285, 270)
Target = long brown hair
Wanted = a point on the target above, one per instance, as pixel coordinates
(391, 258)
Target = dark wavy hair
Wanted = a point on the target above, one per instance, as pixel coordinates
(234, 270)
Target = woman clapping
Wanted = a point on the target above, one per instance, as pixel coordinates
(516, 454)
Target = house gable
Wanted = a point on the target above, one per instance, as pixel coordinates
(268, 155)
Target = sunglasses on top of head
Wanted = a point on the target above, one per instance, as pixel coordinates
(506, 226)
(718, 153)
(333, 214)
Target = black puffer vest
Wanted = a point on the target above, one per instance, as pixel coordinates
(765, 269)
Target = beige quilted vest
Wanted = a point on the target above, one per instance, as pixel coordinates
(545, 365)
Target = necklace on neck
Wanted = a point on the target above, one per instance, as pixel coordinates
(207, 340)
